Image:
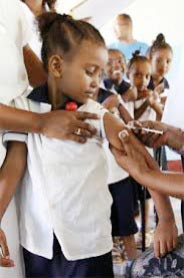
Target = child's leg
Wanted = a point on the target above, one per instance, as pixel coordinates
(130, 246)
(122, 215)
(59, 266)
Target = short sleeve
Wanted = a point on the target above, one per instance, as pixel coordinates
(20, 103)
(14, 136)
(25, 29)
(94, 107)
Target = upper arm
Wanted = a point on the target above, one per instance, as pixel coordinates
(34, 67)
(16, 158)
(112, 127)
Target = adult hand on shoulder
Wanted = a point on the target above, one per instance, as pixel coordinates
(68, 125)
(5, 261)
(165, 238)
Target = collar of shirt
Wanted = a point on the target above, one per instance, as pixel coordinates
(120, 89)
(40, 94)
(151, 85)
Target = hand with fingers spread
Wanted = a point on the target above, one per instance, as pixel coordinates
(5, 261)
(165, 237)
(68, 125)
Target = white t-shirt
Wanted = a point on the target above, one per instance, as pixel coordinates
(13, 83)
(34, 38)
(13, 36)
(65, 192)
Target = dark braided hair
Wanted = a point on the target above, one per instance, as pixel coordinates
(136, 57)
(64, 33)
(159, 43)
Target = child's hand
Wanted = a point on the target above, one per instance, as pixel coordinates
(159, 89)
(5, 261)
(144, 94)
(153, 98)
(111, 102)
(131, 94)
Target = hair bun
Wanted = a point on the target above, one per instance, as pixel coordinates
(136, 53)
(46, 20)
(160, 40)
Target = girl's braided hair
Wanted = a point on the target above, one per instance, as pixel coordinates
(61, 31)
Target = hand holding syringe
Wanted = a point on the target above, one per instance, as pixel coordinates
(146, 129)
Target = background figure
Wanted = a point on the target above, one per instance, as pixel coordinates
(126, 43)
(31, 10)
(161, 55)
(145, 107)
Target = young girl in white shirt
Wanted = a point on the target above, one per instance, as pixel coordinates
(64, 201)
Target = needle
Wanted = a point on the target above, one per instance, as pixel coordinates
(145, 129)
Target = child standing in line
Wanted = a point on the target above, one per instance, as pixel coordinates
(115, 82)
(65, 202)
(146, 107)
(160, 55)
(122, 212)
(148, 103)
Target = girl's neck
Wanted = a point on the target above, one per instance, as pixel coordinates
(36, 7)
(56, 98)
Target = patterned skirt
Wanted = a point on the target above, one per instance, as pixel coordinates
(171, 265)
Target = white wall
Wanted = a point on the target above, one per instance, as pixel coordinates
(151, 17)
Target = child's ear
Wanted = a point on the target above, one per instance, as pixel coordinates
(55, 65)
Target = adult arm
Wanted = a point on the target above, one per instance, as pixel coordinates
(10, 175)
(34, 67)
(163, 242)
(57, 124)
